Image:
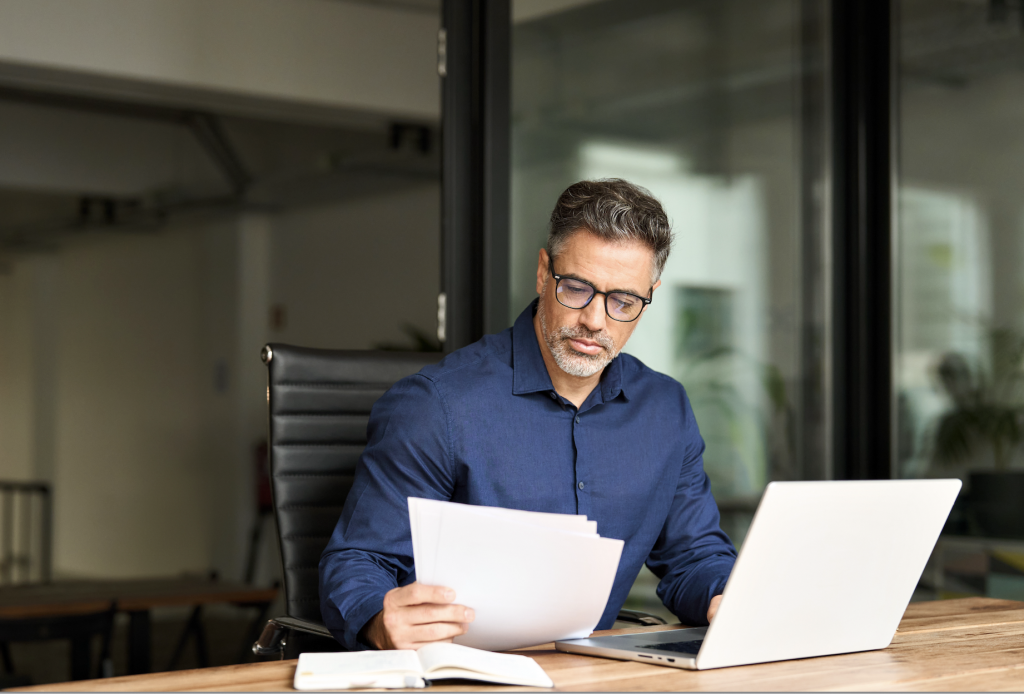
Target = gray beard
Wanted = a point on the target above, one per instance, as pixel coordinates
(569, 360)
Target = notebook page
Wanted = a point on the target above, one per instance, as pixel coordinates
(437, 658)
(357, 669)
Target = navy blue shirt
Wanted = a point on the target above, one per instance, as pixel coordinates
(485, 426)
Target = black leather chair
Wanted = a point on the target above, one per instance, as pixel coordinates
(319, 403)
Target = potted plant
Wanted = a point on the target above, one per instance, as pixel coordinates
(986, 426)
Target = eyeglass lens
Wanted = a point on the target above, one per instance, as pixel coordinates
(575, 294)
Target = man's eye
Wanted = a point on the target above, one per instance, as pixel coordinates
(576, 289)
(624, 303)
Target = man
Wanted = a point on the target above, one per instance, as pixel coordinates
(545, 416)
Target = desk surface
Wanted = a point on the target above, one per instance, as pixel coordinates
(80, 597)
(969, 644)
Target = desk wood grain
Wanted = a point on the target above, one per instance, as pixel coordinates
(971, 644)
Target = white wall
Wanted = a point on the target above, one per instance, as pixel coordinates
(129, 482)
(331, 56)
(131, 377)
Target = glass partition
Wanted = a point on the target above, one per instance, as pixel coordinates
(714, 107)
(960, 275)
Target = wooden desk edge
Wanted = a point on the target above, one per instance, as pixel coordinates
(278, 675)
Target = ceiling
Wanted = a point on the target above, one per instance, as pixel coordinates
(69, 166)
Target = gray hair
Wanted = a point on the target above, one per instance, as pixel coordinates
(614, 210)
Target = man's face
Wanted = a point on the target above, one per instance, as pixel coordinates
(583, 341)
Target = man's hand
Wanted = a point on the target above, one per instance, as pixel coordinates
(713, 608)
(415, 615)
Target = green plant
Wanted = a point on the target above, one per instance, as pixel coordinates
(988, 404)
(729, 389)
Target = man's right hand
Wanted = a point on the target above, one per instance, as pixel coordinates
(415, 615)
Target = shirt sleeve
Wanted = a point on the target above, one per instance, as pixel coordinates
(370, 551)
(692, 556)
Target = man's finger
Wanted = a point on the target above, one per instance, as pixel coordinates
(438, 631)
(419, 594)
(428, 614)
(416, 637)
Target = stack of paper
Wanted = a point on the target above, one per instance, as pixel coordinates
(531, 577)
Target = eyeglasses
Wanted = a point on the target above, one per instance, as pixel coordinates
(572, 293)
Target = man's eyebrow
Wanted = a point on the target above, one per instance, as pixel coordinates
(574, 276)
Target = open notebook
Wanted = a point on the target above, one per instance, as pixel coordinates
(397, 669)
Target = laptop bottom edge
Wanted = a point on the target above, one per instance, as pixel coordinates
(581, 647)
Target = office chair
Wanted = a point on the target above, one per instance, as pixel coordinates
(319, 403)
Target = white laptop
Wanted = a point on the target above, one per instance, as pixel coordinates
(826, 568)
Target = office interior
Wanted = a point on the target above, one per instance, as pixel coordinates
(183, 181)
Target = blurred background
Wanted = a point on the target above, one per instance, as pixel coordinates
(182, 181)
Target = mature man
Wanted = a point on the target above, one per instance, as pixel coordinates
(545, 416)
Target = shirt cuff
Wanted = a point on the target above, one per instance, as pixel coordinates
(358, 619)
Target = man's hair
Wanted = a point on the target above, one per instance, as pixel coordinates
(614, 210)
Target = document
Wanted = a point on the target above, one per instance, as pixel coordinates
(409, 669)
(530, 577)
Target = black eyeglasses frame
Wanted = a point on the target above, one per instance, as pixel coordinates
(559, 278)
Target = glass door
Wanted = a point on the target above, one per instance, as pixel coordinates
(713, 105)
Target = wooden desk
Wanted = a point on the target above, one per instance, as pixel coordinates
(970, 644)
(136, 597)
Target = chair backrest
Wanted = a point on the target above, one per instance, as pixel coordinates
(319, 403)
(26, 528)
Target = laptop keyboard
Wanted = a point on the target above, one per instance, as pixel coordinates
(690, 647)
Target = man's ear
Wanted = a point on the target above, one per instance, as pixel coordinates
(656, 285)
(542, 270)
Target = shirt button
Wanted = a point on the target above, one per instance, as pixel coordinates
(553, 396)
(577, 419)
(581, 485)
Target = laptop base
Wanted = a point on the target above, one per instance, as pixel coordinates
(676, 648)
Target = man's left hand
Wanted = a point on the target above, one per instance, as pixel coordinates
(713, 608)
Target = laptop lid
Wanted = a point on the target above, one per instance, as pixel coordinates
(826, 568)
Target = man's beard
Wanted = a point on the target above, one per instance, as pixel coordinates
(569, 360)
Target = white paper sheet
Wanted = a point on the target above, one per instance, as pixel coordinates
(425, 526)
(531, 578)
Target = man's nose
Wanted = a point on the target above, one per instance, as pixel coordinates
(593, 315)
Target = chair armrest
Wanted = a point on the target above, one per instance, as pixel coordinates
(641, 618)
(272, 641)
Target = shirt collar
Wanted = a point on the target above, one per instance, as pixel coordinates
(612, 382)
(529, 373)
